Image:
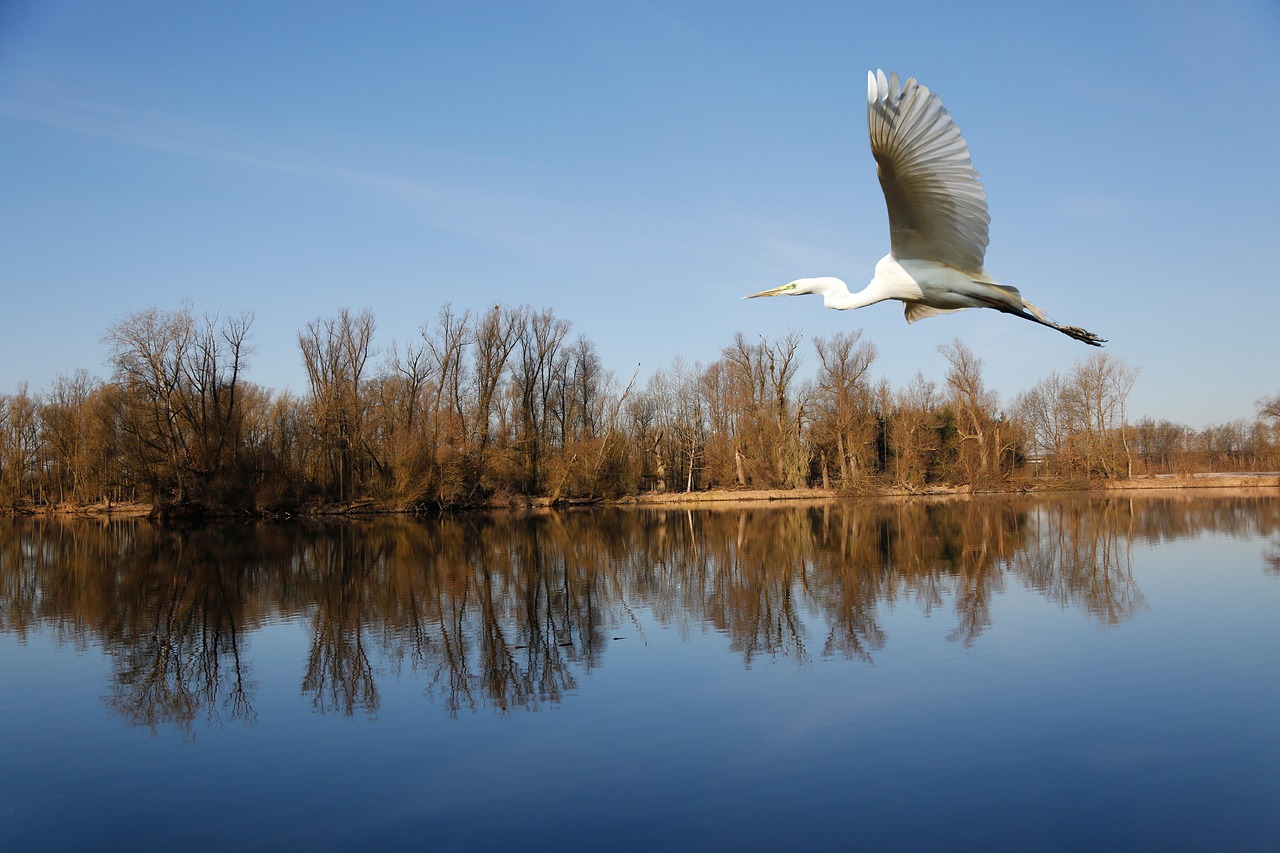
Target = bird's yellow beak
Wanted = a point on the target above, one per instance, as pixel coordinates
(773, 291)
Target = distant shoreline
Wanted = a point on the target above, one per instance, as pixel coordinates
(1167, 482)
(1262, 481)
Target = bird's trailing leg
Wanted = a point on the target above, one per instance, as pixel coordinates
(1035, 315)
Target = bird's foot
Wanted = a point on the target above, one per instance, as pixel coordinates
(1082, 335)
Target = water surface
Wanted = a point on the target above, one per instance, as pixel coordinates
(962, 674)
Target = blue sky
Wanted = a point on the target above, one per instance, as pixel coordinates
(637, 167)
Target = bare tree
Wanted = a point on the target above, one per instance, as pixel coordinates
(975, 413)
(410, 369)
(767, 426)
(844, 362)
(67, 432)
(176, 384)
(336, 352)
(1100, 385)
(535, 371)
(495, 336)
(913, 431)
(1159, 444)
(447, 431)
(395, 434)
(1269, 408)
(19, 446)
(1077, 425)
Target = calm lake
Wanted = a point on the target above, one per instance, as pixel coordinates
(991, 673)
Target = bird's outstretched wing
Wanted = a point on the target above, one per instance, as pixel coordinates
(937, 207)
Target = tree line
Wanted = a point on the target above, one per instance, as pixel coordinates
(508, 402)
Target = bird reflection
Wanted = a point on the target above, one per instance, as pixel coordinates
(507, 612)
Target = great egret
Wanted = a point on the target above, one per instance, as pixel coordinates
(937, 217)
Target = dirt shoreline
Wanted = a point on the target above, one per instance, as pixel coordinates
(1259, 482)
(1262, 482)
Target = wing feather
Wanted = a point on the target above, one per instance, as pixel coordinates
(918, 311)
(937, 207)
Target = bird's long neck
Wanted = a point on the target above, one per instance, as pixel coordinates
(841, 299)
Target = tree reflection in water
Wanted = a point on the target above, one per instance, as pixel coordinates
(507, 611)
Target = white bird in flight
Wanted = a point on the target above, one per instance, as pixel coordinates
(937, 217)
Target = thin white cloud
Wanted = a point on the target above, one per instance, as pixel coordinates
(1097, 206)
(515, 223)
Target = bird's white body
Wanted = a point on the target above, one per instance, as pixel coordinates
(911, 281)
(926, 287)
(937, 217)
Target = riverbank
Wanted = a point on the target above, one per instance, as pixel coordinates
(720, 497)
(102, 509)
(1267, 480)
